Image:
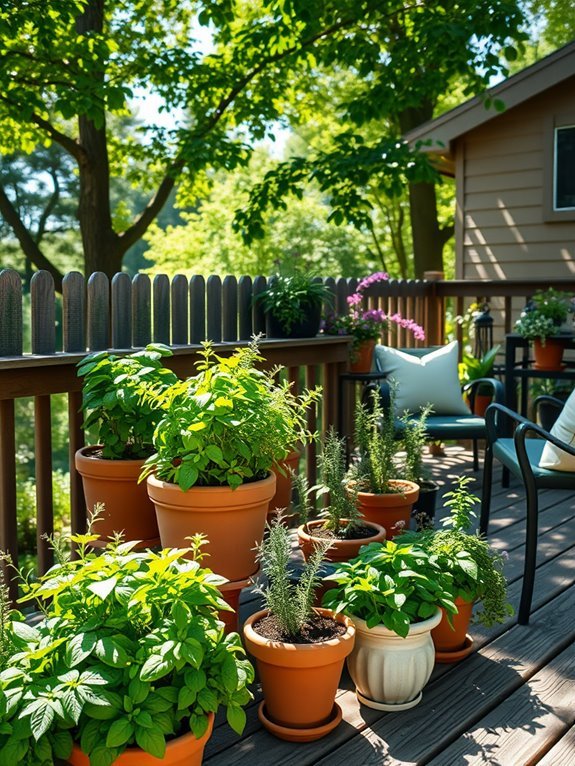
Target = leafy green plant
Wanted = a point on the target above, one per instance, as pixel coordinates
(130, 652)
(341, 514)
(114, 402)
(472, 368)
(552, 304)
(290, 296)
(475, 568)
(378, 463)
(228, 424)
(533, 326)
(291, 603)
(390, 584)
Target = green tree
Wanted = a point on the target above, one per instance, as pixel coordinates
(67, 66)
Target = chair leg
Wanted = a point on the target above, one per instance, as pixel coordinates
(486, 490)
(505, 478)
(530, 552)
(475, 456)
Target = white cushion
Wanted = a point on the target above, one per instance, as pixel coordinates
(429, 379)
(552, 457)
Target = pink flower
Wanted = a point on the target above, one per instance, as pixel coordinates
(378, 276)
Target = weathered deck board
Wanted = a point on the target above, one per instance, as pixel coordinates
(521, 728)
(511, 703)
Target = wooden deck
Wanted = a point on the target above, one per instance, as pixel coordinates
(510, 703)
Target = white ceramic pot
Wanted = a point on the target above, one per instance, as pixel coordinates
(389, 671)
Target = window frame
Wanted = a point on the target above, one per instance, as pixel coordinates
(550, 212)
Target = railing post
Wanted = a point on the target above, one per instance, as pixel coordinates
(434, 314)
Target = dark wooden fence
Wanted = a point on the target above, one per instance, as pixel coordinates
(39, 353)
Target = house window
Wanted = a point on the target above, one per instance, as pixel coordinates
(564, 169)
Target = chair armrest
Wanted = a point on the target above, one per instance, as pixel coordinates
(497, 390)
(552, 401)
(493, 416)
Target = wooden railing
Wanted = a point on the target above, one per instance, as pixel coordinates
(38, 358)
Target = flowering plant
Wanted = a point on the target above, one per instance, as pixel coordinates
(532, 326)
(369, 324)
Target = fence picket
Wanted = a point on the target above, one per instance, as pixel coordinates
(179, 310)
(10, 313)
(214, 308)
(141, 310)
(245, 308)
(98, 312)
(197, 309)
(74, 312)
(121, 311)
(43, 295)
(161, 288)
(230, 309)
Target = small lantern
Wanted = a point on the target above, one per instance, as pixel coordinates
(483, 322)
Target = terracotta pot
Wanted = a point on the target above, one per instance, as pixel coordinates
(426, 502)
(481, 403)
(127, 505)
(448, 640)
(232, 519)
(389, 671)
(282, 497)
(299, 681)
(231, 592)
(388, 510)
(550, 355)
(341, 550)
(362, 356)
(182, 751)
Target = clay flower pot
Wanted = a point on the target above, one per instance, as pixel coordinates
(182, 751)
(341, 550)
(389, 671)
(114, 483)
(299, 681)
(548, 356)
(232, 519)
(453, 643)
(362, 357)
(392, 511)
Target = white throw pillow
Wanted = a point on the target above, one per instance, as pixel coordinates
(429, 379)
(552, 457)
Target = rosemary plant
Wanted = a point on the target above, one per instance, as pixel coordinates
(376, 446)
(291, 603)
(6, 645)
(341, 514)
(414, 439)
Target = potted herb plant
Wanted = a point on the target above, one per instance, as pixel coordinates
(293, 304)
(415, 470)
(540, 322)
(220, 433)
(128, 665)
(366, 325)
(340, 520)
(476, 570)
(471, 369)
(383, 495)
(124, 421)
(392, 593)
(299, 650)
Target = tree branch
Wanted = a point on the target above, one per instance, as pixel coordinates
(446, 232)
(47, 212)
(29, 247)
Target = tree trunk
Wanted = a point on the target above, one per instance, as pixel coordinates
(428, 238)
(102, 248)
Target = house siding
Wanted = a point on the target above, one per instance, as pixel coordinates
(504, 179)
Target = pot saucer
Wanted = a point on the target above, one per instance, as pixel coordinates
(460, 654)
(300, 735)
(389, 707)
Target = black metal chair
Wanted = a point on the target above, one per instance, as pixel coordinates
(520, 455)
(453, 427)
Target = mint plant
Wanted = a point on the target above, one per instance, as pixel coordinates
(114, 402)
(228, 424)
(476, 570)
(390, 584)
(130, 653)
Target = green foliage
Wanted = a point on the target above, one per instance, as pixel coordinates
(114, 399)
(130, 652)
(472, 368)
(228, 424)
(291, 603)
(341, 515)
(392, 585)
(552, 304)
(533, 326)
(377, 463)
(6, 645)
(293, 295)
(476, 569)
(26, 509)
